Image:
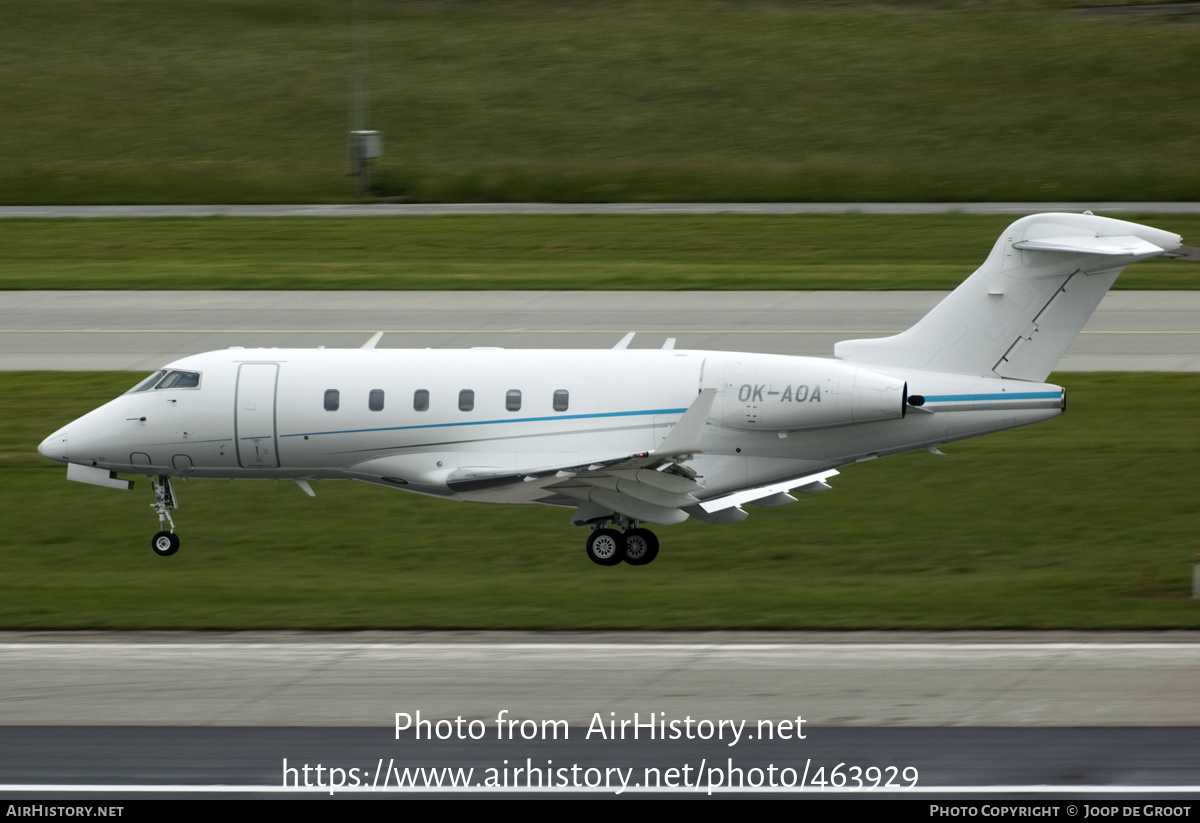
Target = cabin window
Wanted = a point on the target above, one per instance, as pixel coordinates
(180, 380)
(562, 399)
(375, 400)
(466, 400)
(148, 383)
(512, 400)
(333, 399)
(421, 400)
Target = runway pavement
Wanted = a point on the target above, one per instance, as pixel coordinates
(851, 679)
(961, 714)
(1012, 768)
(140, 331)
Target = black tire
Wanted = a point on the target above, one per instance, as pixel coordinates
(606, 547)
(165, 544)
(641, 547)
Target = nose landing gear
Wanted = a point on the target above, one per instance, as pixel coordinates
(165, 543)
(608, 547)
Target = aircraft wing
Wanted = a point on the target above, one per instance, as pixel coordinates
(728, 508)
(672, 494)
(645, 486)
(651, 486)
(641, 493)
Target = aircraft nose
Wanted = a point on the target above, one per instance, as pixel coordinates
(54, 447)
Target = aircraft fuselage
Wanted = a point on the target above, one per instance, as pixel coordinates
(429, 420)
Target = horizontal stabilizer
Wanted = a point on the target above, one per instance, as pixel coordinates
(1127, 244)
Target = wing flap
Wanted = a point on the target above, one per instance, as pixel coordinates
(624, 504)
(805, 485)
(644, 492)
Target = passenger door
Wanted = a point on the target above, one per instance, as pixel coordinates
(254, 415)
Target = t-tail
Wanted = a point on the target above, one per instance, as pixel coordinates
(1017, 314)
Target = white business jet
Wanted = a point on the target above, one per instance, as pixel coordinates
(623, 437)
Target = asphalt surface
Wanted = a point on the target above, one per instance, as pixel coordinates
(873, 679)
(960, 714)
(1097, 766)
(140, 331)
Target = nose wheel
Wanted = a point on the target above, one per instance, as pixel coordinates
(165, 543)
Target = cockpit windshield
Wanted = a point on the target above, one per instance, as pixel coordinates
(180, 380)
(162, 379)
(148, 383)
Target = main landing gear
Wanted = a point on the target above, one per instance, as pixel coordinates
(165, 543)
(608, 547)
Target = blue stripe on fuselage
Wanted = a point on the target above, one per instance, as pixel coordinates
(964, 398)
(491, 422)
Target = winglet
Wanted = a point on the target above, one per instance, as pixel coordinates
(623, 343)
(685, 438)
(370, 344)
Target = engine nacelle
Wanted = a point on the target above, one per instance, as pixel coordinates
(778, 393)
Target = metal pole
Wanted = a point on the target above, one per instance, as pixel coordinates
(360, 167)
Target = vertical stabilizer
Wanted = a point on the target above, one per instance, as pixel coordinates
(1017, 314)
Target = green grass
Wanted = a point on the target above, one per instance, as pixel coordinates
(526, 252)
(1087, 521)
(120, 101)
